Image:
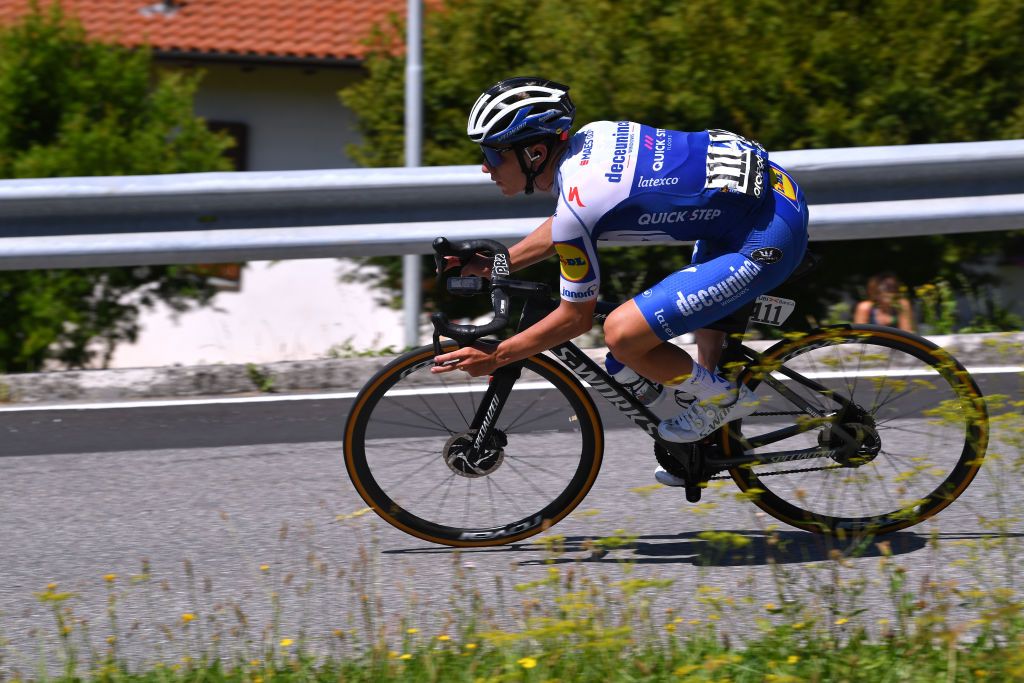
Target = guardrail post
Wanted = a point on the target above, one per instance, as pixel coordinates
(411, 276)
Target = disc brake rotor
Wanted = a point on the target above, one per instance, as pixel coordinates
(458, 448)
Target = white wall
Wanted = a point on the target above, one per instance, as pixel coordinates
(295, 118)
(286, 310)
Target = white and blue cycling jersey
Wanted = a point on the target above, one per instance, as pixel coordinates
(627, 182)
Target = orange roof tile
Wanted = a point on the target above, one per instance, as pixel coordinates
(303, 29)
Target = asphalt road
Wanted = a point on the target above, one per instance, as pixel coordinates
(192, 501)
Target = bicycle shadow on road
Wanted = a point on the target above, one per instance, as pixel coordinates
(743, 547)
(740, 547)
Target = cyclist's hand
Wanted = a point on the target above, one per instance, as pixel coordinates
(477, 360)
(477, 265)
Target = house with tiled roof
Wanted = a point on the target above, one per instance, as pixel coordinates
(273, 67)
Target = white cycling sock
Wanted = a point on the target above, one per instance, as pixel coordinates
(703, 384)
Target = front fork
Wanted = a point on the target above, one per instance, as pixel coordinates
(498, 391)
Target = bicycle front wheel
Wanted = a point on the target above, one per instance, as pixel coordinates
(407, 436)
(868, 430)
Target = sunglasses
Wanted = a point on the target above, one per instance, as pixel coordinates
(492, 155)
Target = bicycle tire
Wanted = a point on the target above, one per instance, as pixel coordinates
(964, 411)
(546, 396)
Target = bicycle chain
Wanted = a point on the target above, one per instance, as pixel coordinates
(769, 474)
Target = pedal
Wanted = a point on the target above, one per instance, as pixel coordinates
(693, 494)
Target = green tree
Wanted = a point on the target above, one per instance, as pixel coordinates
(71, 106)
(795, 75)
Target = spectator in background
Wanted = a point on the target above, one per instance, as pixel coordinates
(886, 303)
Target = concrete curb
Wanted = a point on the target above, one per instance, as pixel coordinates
(346, 374)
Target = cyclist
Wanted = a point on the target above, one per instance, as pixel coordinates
(626, 181)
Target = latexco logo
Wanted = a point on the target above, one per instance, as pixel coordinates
(656, 182)
(663, 321)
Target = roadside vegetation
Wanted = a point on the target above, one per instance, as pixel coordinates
(801, 607)
(72, 106)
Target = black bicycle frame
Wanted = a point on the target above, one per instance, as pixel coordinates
(537, 307)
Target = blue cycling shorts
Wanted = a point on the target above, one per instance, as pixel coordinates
(732, 270)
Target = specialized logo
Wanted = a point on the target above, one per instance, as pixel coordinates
(722, 292)
(767, 255)
(678, 216)
(588, 147)
(575, 264)
(620, 152)
(574, 196)
(485, 426)
(597, 383)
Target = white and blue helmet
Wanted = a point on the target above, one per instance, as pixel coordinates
(518, 112)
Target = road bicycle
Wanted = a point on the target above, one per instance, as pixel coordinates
(859, 429)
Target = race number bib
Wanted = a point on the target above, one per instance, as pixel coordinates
(771, 310)
(735, 164)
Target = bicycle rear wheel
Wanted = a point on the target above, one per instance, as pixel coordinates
(407, 434)
(917, 420)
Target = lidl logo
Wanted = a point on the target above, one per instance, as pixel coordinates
(782, 184)
(575, 265)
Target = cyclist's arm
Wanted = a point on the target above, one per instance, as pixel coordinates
(533, 248)
(569, 320)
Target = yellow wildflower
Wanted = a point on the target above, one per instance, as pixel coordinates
(792, 659)
(406, 656)
(110, 578)
(670, 627)
(527, 662)
(187, 617)
(444, 638)
(264, 567)
(470, 646)
(287, 642)
(411, 631)
(841, 620)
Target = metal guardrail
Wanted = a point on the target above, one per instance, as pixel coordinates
(209, 217)
(828, 222)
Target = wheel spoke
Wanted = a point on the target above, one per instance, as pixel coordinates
(913, 456)
(400, 468)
